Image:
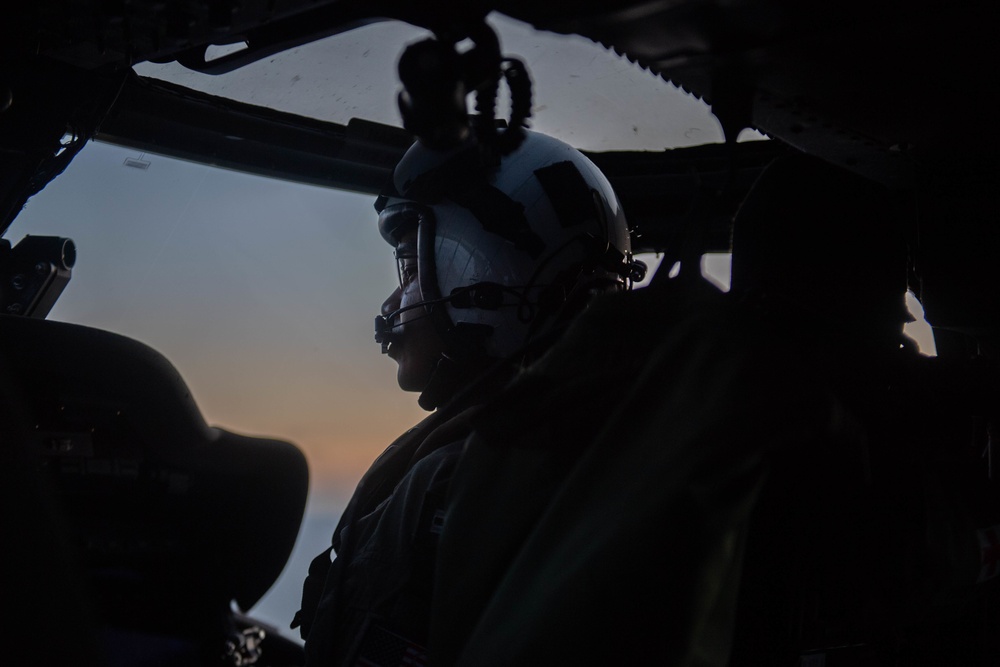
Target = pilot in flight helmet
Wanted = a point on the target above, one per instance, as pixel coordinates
(504, 250)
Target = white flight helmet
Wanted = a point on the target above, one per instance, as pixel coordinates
(501, 248)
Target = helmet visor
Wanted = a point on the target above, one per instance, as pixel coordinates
(398, 218)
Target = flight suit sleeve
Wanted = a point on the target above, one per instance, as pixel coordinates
(376, 597)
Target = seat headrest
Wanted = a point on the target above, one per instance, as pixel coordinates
(827, 241)
(164, 509)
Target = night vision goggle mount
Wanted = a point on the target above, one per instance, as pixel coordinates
(436, 79)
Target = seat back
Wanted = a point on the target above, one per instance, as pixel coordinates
(168, 519)
(867, 551)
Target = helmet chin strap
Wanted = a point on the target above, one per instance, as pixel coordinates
(450, 374)
(461, 385)
(447, 380)
(463, 361)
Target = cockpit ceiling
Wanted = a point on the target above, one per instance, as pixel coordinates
(875, 86)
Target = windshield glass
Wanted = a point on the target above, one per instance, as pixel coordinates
(261, 292)
(584, 94)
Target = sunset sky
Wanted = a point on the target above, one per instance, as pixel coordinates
(262, 292)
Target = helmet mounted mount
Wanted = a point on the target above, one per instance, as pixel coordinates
(512, 226)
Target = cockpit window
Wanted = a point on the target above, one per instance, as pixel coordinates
(584, 94)
(261, 293)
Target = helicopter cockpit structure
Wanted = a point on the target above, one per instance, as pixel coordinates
(134, 524)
